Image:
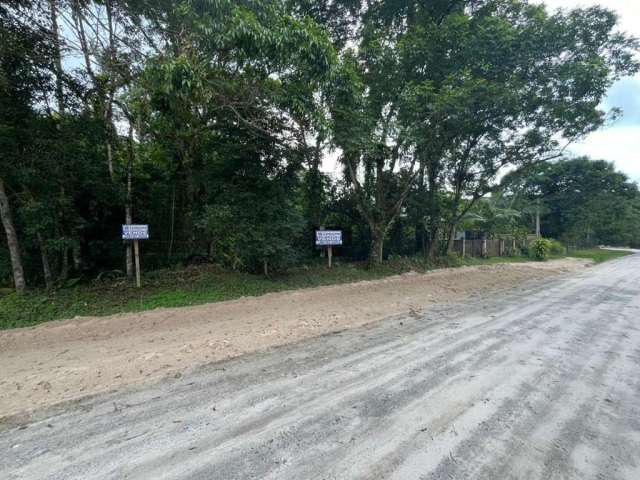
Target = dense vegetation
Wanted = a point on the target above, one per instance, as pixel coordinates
(200, 284)
(210, 119)
(579, 202)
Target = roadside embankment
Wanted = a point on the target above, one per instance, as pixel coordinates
(65, 360)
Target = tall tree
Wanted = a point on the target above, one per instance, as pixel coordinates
(246, 65)
(379, 162)
(23, 62)
(12, 241)
(500, 85)
(582, 201)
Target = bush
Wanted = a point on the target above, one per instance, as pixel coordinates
(540, 249)
(557, 248)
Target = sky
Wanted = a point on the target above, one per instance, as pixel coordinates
(619, 142)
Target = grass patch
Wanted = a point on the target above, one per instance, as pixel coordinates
(599, 255)
(197, 285)
(472, 261)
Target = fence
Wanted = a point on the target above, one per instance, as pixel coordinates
(485, 248)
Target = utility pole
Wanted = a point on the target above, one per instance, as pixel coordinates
(538, 218)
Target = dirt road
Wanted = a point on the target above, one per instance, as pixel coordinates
(535, 384)
(62, 361)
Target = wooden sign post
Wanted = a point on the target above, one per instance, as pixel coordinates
(136, 233)
(329, 238)
(136, 254)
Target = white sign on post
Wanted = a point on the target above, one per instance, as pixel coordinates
(135, 232)
(328, 237)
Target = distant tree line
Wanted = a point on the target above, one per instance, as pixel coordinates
(210, 119)
(581, 202)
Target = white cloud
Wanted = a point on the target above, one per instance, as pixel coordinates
(628, 10)
(619, 143)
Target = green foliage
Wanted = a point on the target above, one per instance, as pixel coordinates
(580, 201)
(197, 285)
(557, 248)
(209, 120)
(540, 249)
(497, 216)
(599, 255)
(257, 239)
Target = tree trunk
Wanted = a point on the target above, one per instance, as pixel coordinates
(64, 264)
(110, 160)
(538, 219)
(12, 241)
(76, 252)
(420, 225)
(433, 250)
(377, 245)
(129, 253)
(46, 266)
(108, 112)
(451, 239)
(420, 237)
(433, 210)
(57, 54)
(315, 186)
(128, 208)
(172, 223)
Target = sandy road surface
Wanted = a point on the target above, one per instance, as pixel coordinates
(535, 384)
(62, 361)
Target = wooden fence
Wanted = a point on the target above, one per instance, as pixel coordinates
(485, 248)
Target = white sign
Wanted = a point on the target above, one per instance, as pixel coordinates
(135, 232)
(328, 237)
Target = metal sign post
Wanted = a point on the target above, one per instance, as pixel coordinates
(136, 254)
(136, 233)
(329, 238)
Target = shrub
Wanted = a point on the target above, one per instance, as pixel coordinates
(557, 248)
(540, 249)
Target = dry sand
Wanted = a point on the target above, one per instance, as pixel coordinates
(66, 360)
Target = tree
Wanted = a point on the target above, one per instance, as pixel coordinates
(446, 95)
(23, 59)
(12, 241)
(496, 216)
(502, 85)
(585, 202)
(48, 154)
(238, 69)
(378, 164)
(210, 120)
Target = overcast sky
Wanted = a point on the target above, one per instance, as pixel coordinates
(619, 142)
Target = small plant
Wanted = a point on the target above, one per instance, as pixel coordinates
(557, 248)
(540, 249)
(516, 252)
